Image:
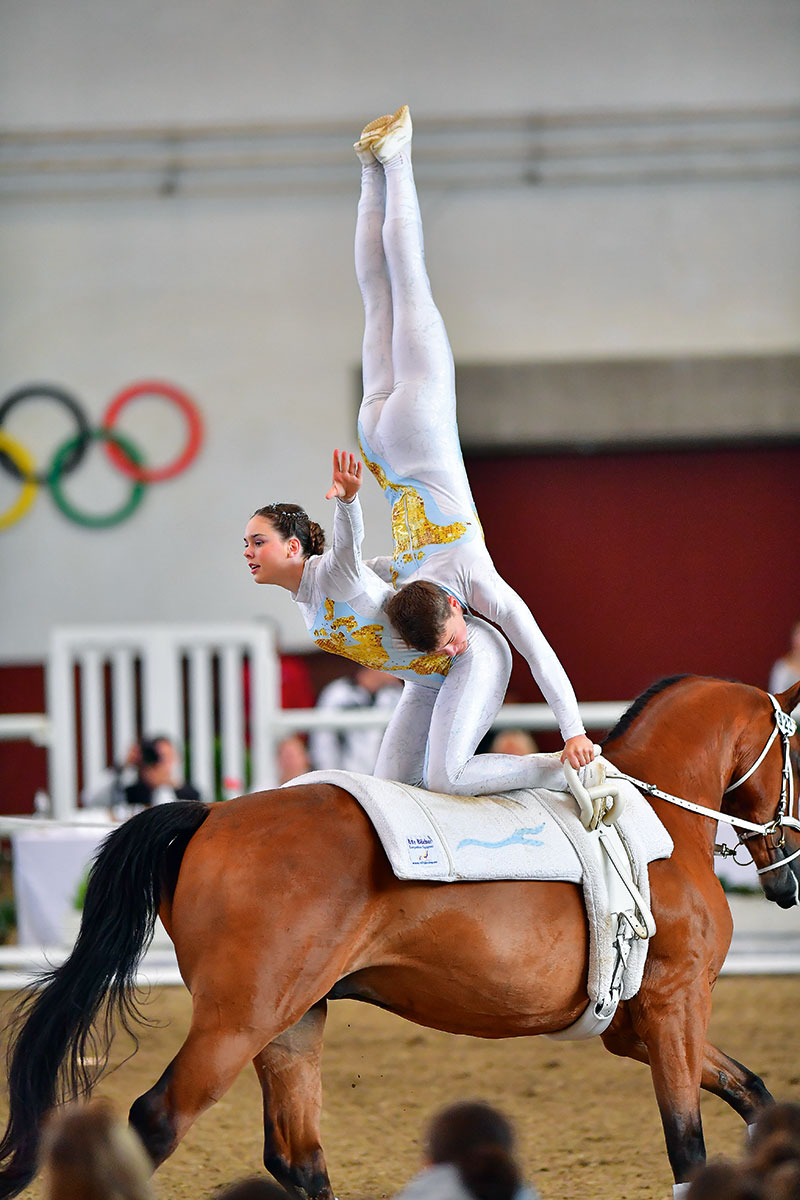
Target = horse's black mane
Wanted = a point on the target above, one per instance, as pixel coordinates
(630, 714)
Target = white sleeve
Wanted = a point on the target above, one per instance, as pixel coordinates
(492, 597)
(339, 571)
(383, 566)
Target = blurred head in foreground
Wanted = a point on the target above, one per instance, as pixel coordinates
(88, 1153)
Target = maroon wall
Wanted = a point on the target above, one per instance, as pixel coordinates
(649, 564)
(23, 766)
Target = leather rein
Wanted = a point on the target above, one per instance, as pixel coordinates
(786, 726)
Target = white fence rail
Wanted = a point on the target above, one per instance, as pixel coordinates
(210, 688)
(213, 688)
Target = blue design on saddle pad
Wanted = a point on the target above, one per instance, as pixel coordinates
(518, 838)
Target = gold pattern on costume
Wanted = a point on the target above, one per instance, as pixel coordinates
(411, 527)
(377, 471)
(431, 664)
(367, 647)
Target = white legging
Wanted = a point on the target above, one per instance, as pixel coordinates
(408, 417)
(432, 736)
(408, 414)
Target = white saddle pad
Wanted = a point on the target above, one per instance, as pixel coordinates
(514, 835)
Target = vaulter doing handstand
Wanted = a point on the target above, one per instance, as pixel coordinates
(415, 613)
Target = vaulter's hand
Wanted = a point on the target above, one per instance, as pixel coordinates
(578, 751)
(346, 477)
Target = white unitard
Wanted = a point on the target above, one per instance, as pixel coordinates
(447, 704)
(409, 439)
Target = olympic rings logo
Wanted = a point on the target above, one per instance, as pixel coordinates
(125, 456)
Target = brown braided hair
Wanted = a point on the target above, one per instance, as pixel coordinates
(290, 520)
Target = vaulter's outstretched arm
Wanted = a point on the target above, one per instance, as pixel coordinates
(341, 571)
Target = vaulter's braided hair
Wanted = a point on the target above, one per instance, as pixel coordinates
(290, 520)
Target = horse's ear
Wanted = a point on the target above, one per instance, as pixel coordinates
(789, 699)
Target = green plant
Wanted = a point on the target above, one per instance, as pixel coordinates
(80, 892)
(8, 918)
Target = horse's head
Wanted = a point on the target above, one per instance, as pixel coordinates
(766, 792)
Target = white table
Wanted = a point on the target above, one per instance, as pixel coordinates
(49, 865)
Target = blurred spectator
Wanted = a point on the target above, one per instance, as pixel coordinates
(786, 670)
(469, 1155)
(781, 1119)
(88, 1153)
(353, 749)
(148, 776)
(770, 1168)
(255, 1187)
(512, 741)
(726, 1181)
(292, 758)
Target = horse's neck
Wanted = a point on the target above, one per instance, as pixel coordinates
(681, 744)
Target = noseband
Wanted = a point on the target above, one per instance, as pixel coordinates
(786, 727)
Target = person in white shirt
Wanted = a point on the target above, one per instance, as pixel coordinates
(786, 670)
(353, 749)
(455, 685)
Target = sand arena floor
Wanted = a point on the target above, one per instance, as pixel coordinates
(587, 1122)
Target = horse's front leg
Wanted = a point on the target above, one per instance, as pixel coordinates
(289, 1071)
(723, 1076)
(672, 1026)
(746, 1093)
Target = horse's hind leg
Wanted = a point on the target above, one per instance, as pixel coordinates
(206, 1065)
(288, 1070)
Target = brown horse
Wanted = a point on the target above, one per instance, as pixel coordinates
(281, 901)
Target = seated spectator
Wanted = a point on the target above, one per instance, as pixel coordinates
(779, 1120)
(726, 1181)
(292, 758)
(774, 1151)
(786, 670)
(512, 741)
(148, 776)
(770, 1167)
(469, 1155)
(88, 1153)
(353, 749)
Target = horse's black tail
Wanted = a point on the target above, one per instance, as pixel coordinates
(67, 1021)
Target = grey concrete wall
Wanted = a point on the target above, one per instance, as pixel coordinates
(177, 198)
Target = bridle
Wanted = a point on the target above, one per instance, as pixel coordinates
(786, 726)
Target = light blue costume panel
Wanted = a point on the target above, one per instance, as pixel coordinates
(342, 602)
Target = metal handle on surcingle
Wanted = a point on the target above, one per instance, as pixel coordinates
(591, 800)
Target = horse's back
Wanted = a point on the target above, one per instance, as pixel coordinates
(296, 881)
